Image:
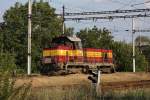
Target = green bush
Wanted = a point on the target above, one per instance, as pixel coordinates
(8, 91)
(6, 85)
(7, 62)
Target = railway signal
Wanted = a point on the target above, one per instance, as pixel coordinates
(95, 79)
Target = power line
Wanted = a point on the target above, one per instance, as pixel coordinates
(84, 15)
(107, 12)
(142, 30)
(106, 17)
(138, 30)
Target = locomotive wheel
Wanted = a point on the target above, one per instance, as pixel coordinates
(48, 69)
(44, 70)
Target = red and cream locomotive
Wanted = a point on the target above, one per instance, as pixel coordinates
(66, 53)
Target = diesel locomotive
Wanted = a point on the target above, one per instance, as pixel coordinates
(66, 53)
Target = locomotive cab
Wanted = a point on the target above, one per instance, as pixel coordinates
(63, 49)
(71, 42)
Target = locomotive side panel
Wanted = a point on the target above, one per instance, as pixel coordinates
(62, 54)
(107, 56)
(93, 55)
(110, 56)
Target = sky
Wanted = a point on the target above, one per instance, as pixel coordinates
(116, 26)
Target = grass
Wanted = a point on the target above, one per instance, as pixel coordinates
(137, 94)
(82, 92)
(62, 93)
(86, 93)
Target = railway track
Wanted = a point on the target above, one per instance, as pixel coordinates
(125, 85)
(80, 80)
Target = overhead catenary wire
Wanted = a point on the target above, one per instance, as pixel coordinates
(107, 12)
(107, 17)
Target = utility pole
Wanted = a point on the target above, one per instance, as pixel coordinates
(29, 36)
(133, 44)
(63, 22)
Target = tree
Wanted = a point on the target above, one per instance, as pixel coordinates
(69, 31)
(122, 54)
(123, 57)
(143, 43)
(96, 38)
(7, 62)
(142, 40)
(45, 26)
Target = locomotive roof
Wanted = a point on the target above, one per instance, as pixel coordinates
(74, 38)
(70, 38)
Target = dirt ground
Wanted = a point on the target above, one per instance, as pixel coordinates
(75, 79)
(122, 77)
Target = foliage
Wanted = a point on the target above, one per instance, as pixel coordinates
(142, 39)
(96, 38)
(69, 31)
(6, 85)
(7, 62)
(123, 57)
(45, 26)
(8, 91)
(147, 54)
(141, 61)
(143, 43)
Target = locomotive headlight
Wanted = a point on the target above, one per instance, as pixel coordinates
(47, 60)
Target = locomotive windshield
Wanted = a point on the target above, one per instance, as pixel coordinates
(78, 45)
